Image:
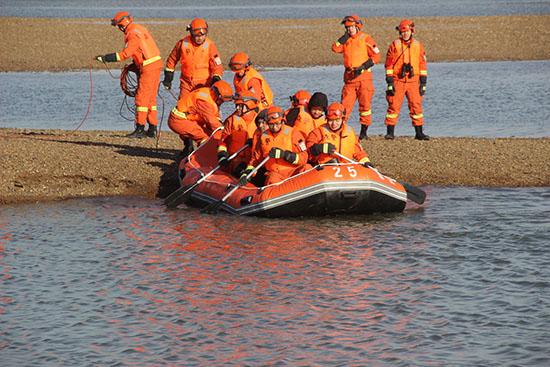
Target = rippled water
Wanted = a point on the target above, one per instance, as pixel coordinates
(463, 281)
(213, 9)
(463, 98)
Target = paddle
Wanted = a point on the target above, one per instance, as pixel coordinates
(212, 208)
(414, 194)
(182, 194)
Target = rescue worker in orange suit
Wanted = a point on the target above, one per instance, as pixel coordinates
(261, 126)
(238, 130)
(201, 65)
(297, 116)
(248, 78)
(141, 47)
(335, 136)
(360, 54)
(317, 107)
(406, 75)
(197, 115)
(285, 147)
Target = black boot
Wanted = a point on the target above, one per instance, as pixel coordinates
(363, 133)
(151, 131)
(389, 132)
(419, 134)
(139, 132)
(187, 148)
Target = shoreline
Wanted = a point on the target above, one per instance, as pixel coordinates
(56, 44)
(51, 165)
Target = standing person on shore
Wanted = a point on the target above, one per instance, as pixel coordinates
(141, 47)
(406, 75)
(360, 55)
(248, 78)
(335, 136)
(198, 114)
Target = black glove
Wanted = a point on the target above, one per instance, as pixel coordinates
(423, 81)
(222, 158)
(365, 66)
(344, 38)
(390, 89)
(243, 180)
(368, 164)
(326, 148)
(216, 78)
(99, 58)
(107, 58)
(289, 156)
(168, 77)
(276, 153)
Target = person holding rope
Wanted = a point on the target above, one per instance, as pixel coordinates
(406, 75)
(360, 55)
(335, 136)
(141, 47)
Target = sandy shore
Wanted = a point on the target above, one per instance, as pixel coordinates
(38, 44)
(47, 165)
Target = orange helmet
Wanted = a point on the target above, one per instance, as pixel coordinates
(405, 25)
(198, 27)
(336, 111)
(274, 115)
(122, 19)
(247, 98)
(239, 61)
(300, 98)
(352, 20)
(223, 90)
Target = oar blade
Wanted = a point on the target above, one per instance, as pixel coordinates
(179, 196)
(414, 194)
(212, 208)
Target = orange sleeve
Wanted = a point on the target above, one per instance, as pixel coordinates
(337, 47)
(390, 59)
(215, 62)
(226, 132)
(208, 113)
(373, 51)
(257, 155)
(132, 47)
(359, 153)
(423, 61)
(174, 57)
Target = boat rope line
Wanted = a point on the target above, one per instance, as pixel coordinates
(90, 99)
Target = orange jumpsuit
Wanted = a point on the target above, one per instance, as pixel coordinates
(279, 169)
(400, 52)
(254, 82)
(357, 50)
(196, 116)
(237, 131)
(344, 140)
(303, 122)
(141, 47)
(199, 63)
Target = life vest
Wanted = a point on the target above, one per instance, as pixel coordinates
(148, 52)
(344, 140)
(237, 131)
(304, 123)
(405, 54)
(283, 141)
(356, 51)
(241, 84)
(186, 109)
(319, 122)
(195, 60)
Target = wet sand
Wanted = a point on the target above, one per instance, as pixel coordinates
(45, 165)
(36, 44)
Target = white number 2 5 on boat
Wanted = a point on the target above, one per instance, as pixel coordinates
(338, 173)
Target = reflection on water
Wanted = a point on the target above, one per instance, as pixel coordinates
(463, 99)
(461, 281)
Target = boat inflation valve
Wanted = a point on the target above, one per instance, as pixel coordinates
(246, 200)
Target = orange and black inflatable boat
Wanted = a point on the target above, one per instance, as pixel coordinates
(327, 189)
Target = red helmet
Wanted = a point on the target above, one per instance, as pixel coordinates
(239, 61)
(223, 90)
(352, 20)
(405, 25)
(198, 27)
(300, 98)
(274, 115)
(122, 19)
(336, 111)
(247, 98)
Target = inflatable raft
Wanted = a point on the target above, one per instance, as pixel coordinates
(348, 188)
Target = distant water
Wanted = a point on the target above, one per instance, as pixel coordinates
(463, 281)
(481, 99)
(232, 9)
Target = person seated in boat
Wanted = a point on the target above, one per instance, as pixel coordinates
(284, 146)
(198, 114)
(248, 78)
(297, 115)
(238, 130)
(261, 126)
(335, 136)
(317, 108)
